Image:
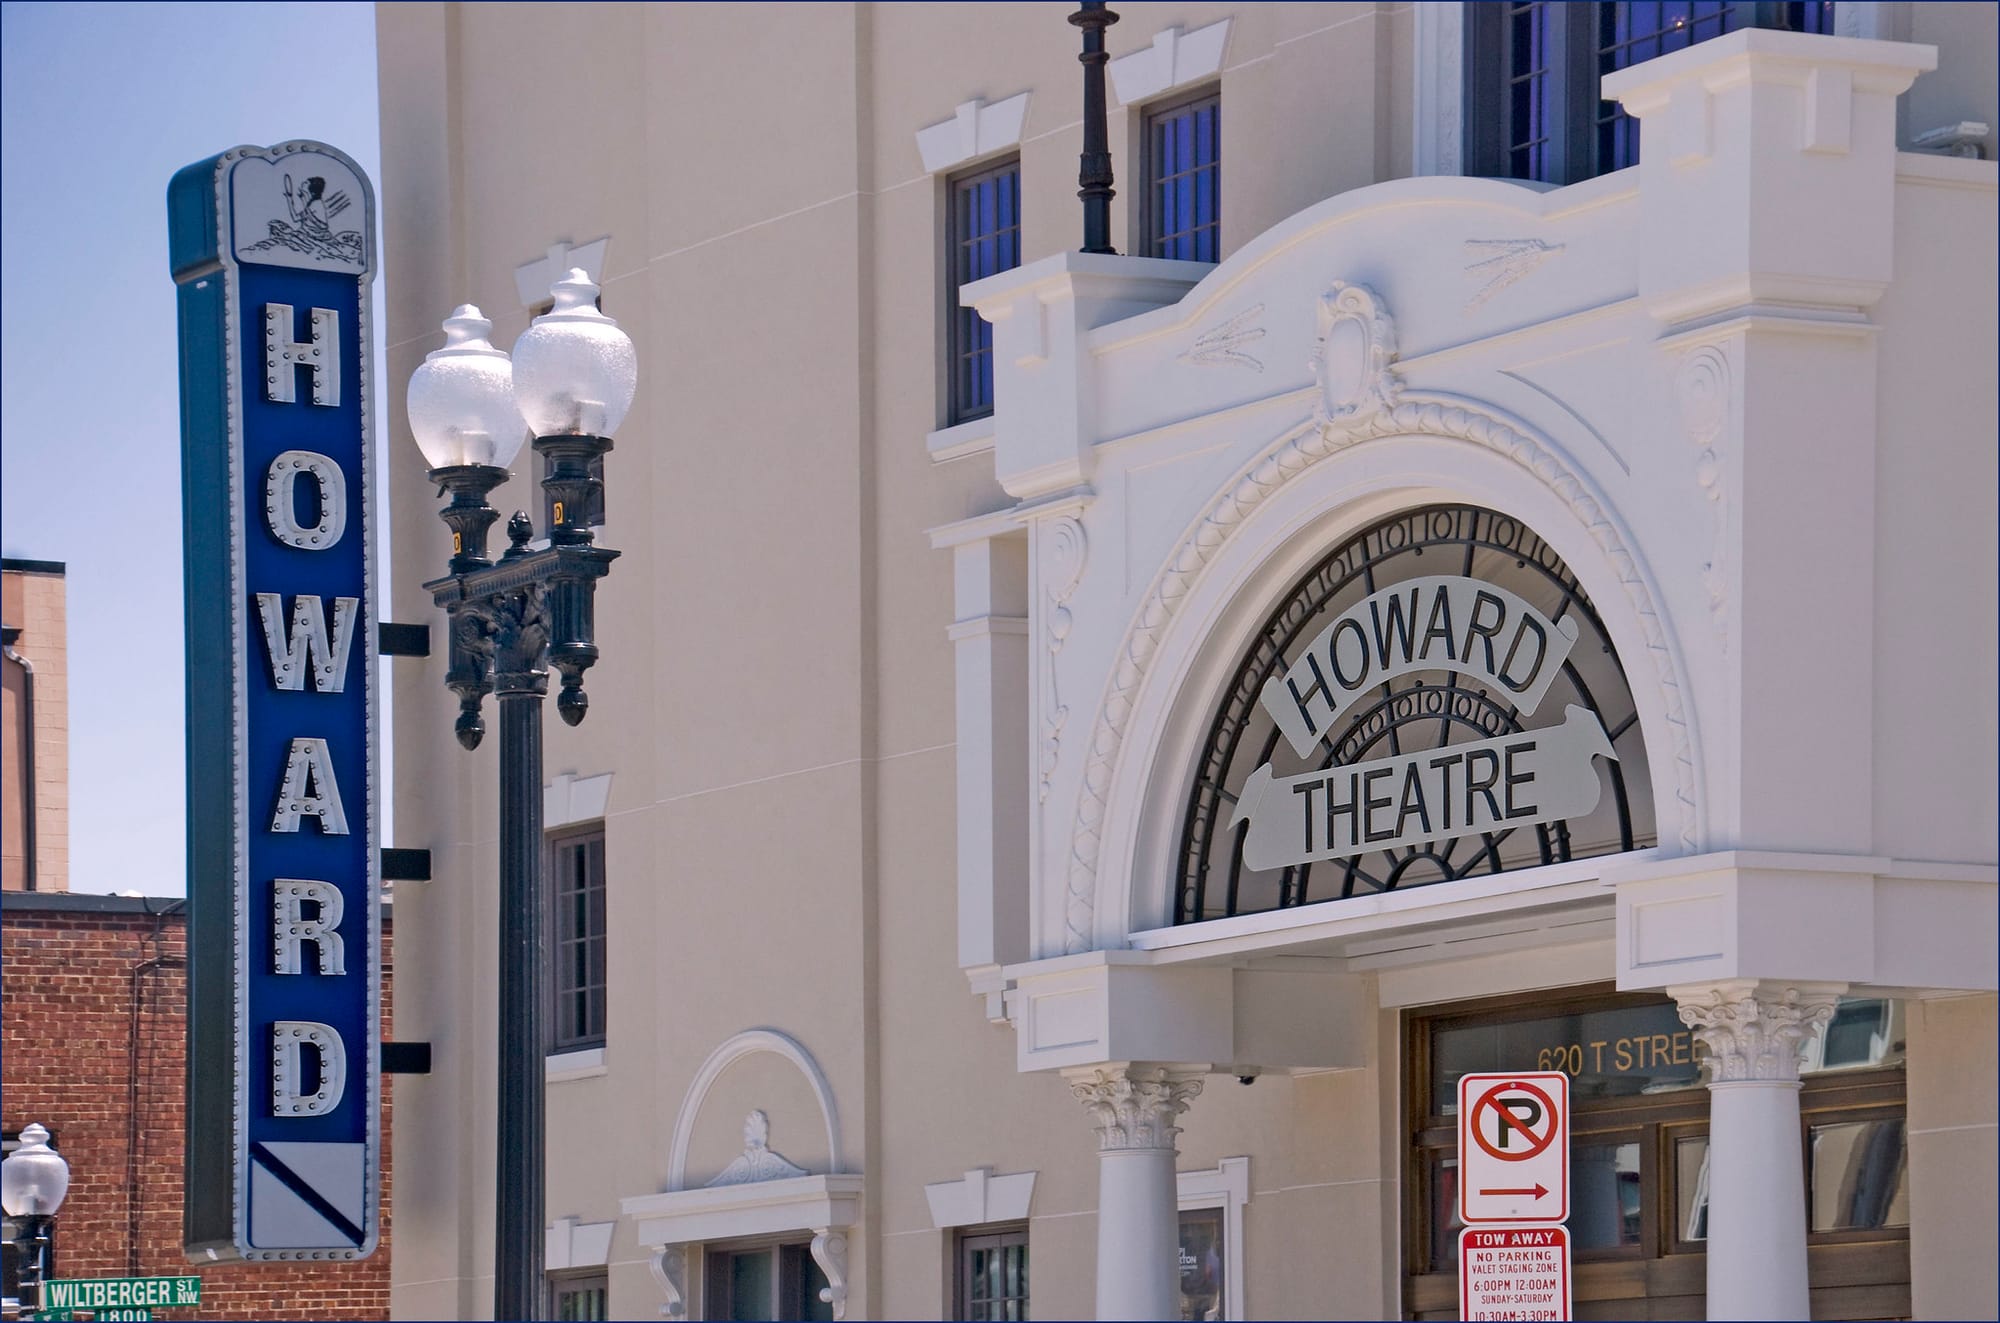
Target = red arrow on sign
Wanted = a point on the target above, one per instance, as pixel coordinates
(1538, 1191)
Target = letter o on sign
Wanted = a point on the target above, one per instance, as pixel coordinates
(281, 508)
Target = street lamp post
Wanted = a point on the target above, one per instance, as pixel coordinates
(33, 1180)
(570, 382)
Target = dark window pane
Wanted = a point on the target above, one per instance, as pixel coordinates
(1860, 1176)
(1444, 1220)
(993, 1275)
(985, 240)
(1604, 1195)
(1606, 1053)
(577, 940)
(1691, 1189)
(751, 1287)
(1204, 1265)
(1184, 187)
(583, 1302)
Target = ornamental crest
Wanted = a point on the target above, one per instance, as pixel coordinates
(1354, 360)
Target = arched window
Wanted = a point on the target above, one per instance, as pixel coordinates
(1435, 699)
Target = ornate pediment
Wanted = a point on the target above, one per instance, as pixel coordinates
(758, 1162)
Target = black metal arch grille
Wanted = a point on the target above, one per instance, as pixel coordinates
(1423, 710)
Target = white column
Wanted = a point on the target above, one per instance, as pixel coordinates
(1138, 1210)
(1756, 1180)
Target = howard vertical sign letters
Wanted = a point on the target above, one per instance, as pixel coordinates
(272, 251)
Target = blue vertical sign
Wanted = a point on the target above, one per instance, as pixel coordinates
(272, 251)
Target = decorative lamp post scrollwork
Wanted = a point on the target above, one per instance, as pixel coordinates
(570, 383)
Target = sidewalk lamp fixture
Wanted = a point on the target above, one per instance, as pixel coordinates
(570, 383)
(33, 1180)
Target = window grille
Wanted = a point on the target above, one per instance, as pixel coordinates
(985, 240)
(1183, 198)
(577, 940)
(1533, 110)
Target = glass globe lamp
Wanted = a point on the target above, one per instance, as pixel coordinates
(575, 371)
(34, 1178)
(461, 398)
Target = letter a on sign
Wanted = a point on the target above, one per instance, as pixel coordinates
(1513, 1147)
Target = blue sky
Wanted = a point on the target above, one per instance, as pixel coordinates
(99, 105)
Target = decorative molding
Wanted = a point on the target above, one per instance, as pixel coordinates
(758, 1161)
(1439, 51)
(668, 1264)
(1504, 262)
(1134, 1107)
(1754, 1031)
(569, 1243)
(666, 1223)
(1175, 59)
(569, 799)
(1354, 359)
(977, 128)
(1703, 388)
(1221, 345)
(582, 1064)
(829, 1251)
(1064, 549)
(1295, 451)
(980, 1197)
(748, 1043)
(533, 279)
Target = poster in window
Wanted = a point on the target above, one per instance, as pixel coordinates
(1203, 1264)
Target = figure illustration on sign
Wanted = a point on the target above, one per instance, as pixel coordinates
(310, 230)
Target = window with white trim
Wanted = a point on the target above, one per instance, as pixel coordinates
(1532, 108)
(577, 938)
(985, 240)
(1211, 1240)
(992, 1274)
(1182, 198)
(580, 1299)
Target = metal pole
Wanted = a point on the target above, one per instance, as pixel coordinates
(520, 679)
(34, 1250)
(1094, 166)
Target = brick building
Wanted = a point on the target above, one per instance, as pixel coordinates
(95, 1048)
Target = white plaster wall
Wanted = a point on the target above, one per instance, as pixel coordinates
(776, 693)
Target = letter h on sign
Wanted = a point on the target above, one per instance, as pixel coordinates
(319, 354)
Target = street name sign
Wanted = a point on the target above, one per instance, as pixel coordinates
(1513, 1147)
(102, 1293)
(272, 252)
(1513, 1273)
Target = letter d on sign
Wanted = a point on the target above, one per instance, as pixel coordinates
(289, 1039)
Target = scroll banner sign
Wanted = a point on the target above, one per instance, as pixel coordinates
(1516, 779)
(272, 251)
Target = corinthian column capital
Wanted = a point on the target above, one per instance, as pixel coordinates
(1134, 1106)
(1754, 1029)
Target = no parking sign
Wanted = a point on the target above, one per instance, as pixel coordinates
(1513, 1147)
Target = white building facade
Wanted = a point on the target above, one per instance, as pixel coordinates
(1089, 748)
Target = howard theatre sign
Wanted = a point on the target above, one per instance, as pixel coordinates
(1474, 631)
(1435, 698)
(272, 252)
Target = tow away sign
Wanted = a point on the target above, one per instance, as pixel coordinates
(1513, 1147)
(1513, 1273)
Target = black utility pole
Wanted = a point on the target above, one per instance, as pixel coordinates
(1094, 167)
(509, 622)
